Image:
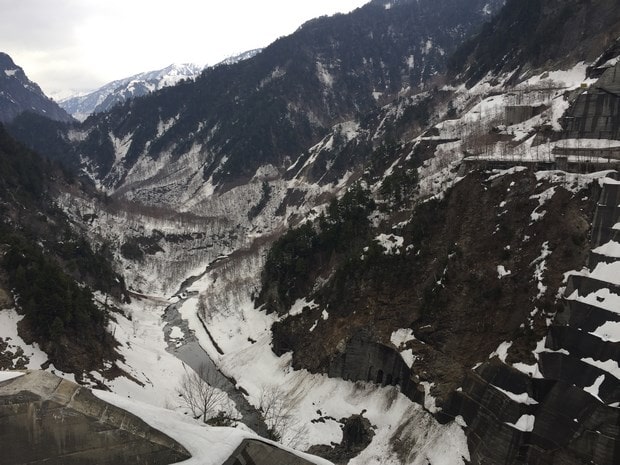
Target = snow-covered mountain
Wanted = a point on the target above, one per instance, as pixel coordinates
(19, 94)
(240, 57)
(410, 265)
(120, 90)
(283, 100)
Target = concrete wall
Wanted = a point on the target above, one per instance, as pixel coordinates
(606, 216)
(571, 426)
(596, 113)
(365, 360)
(252, 452)
(515, 114)
(51, 421)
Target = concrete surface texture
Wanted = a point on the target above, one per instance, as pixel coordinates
(48, 420)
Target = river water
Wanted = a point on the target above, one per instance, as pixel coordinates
(189, 351)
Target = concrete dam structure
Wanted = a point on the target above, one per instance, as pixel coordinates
(48, 420)
(594, 115)
(366, 360)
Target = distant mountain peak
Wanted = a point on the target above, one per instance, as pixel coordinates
(231, 60)
(138, 85)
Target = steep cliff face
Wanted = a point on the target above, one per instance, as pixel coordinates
(460, 283)
(562, 409)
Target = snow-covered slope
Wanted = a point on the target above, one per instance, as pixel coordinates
(240, 57)
(118, 91)
(468, 282)
(281, 100)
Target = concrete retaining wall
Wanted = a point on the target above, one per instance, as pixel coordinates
(48, 420)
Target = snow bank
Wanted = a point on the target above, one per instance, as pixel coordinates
(502, 271)
(207, 445)
(401, 336)
(501, 351)
(390, 242)
(8, 322)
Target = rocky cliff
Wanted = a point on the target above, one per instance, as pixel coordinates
(564, 408)
(550, 34)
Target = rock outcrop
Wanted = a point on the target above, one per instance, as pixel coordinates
(46, 419)
(563, 409)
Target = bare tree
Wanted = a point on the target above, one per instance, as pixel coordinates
(277, 410)
(200, 395)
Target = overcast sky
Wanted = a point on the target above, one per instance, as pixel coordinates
(77, 45)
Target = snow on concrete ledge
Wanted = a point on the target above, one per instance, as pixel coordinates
(525, 423)
(523, 398)
(610, 249)
(8, 375)
(208, 445)
(595, 387)
(609, 331)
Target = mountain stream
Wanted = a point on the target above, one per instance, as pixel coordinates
(189, 351)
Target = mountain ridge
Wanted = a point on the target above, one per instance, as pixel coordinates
(19, 94)
(386, 257)
(572, 31)
(120, 90)
(283, 100)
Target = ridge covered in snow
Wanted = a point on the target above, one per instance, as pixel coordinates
(120, 90)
